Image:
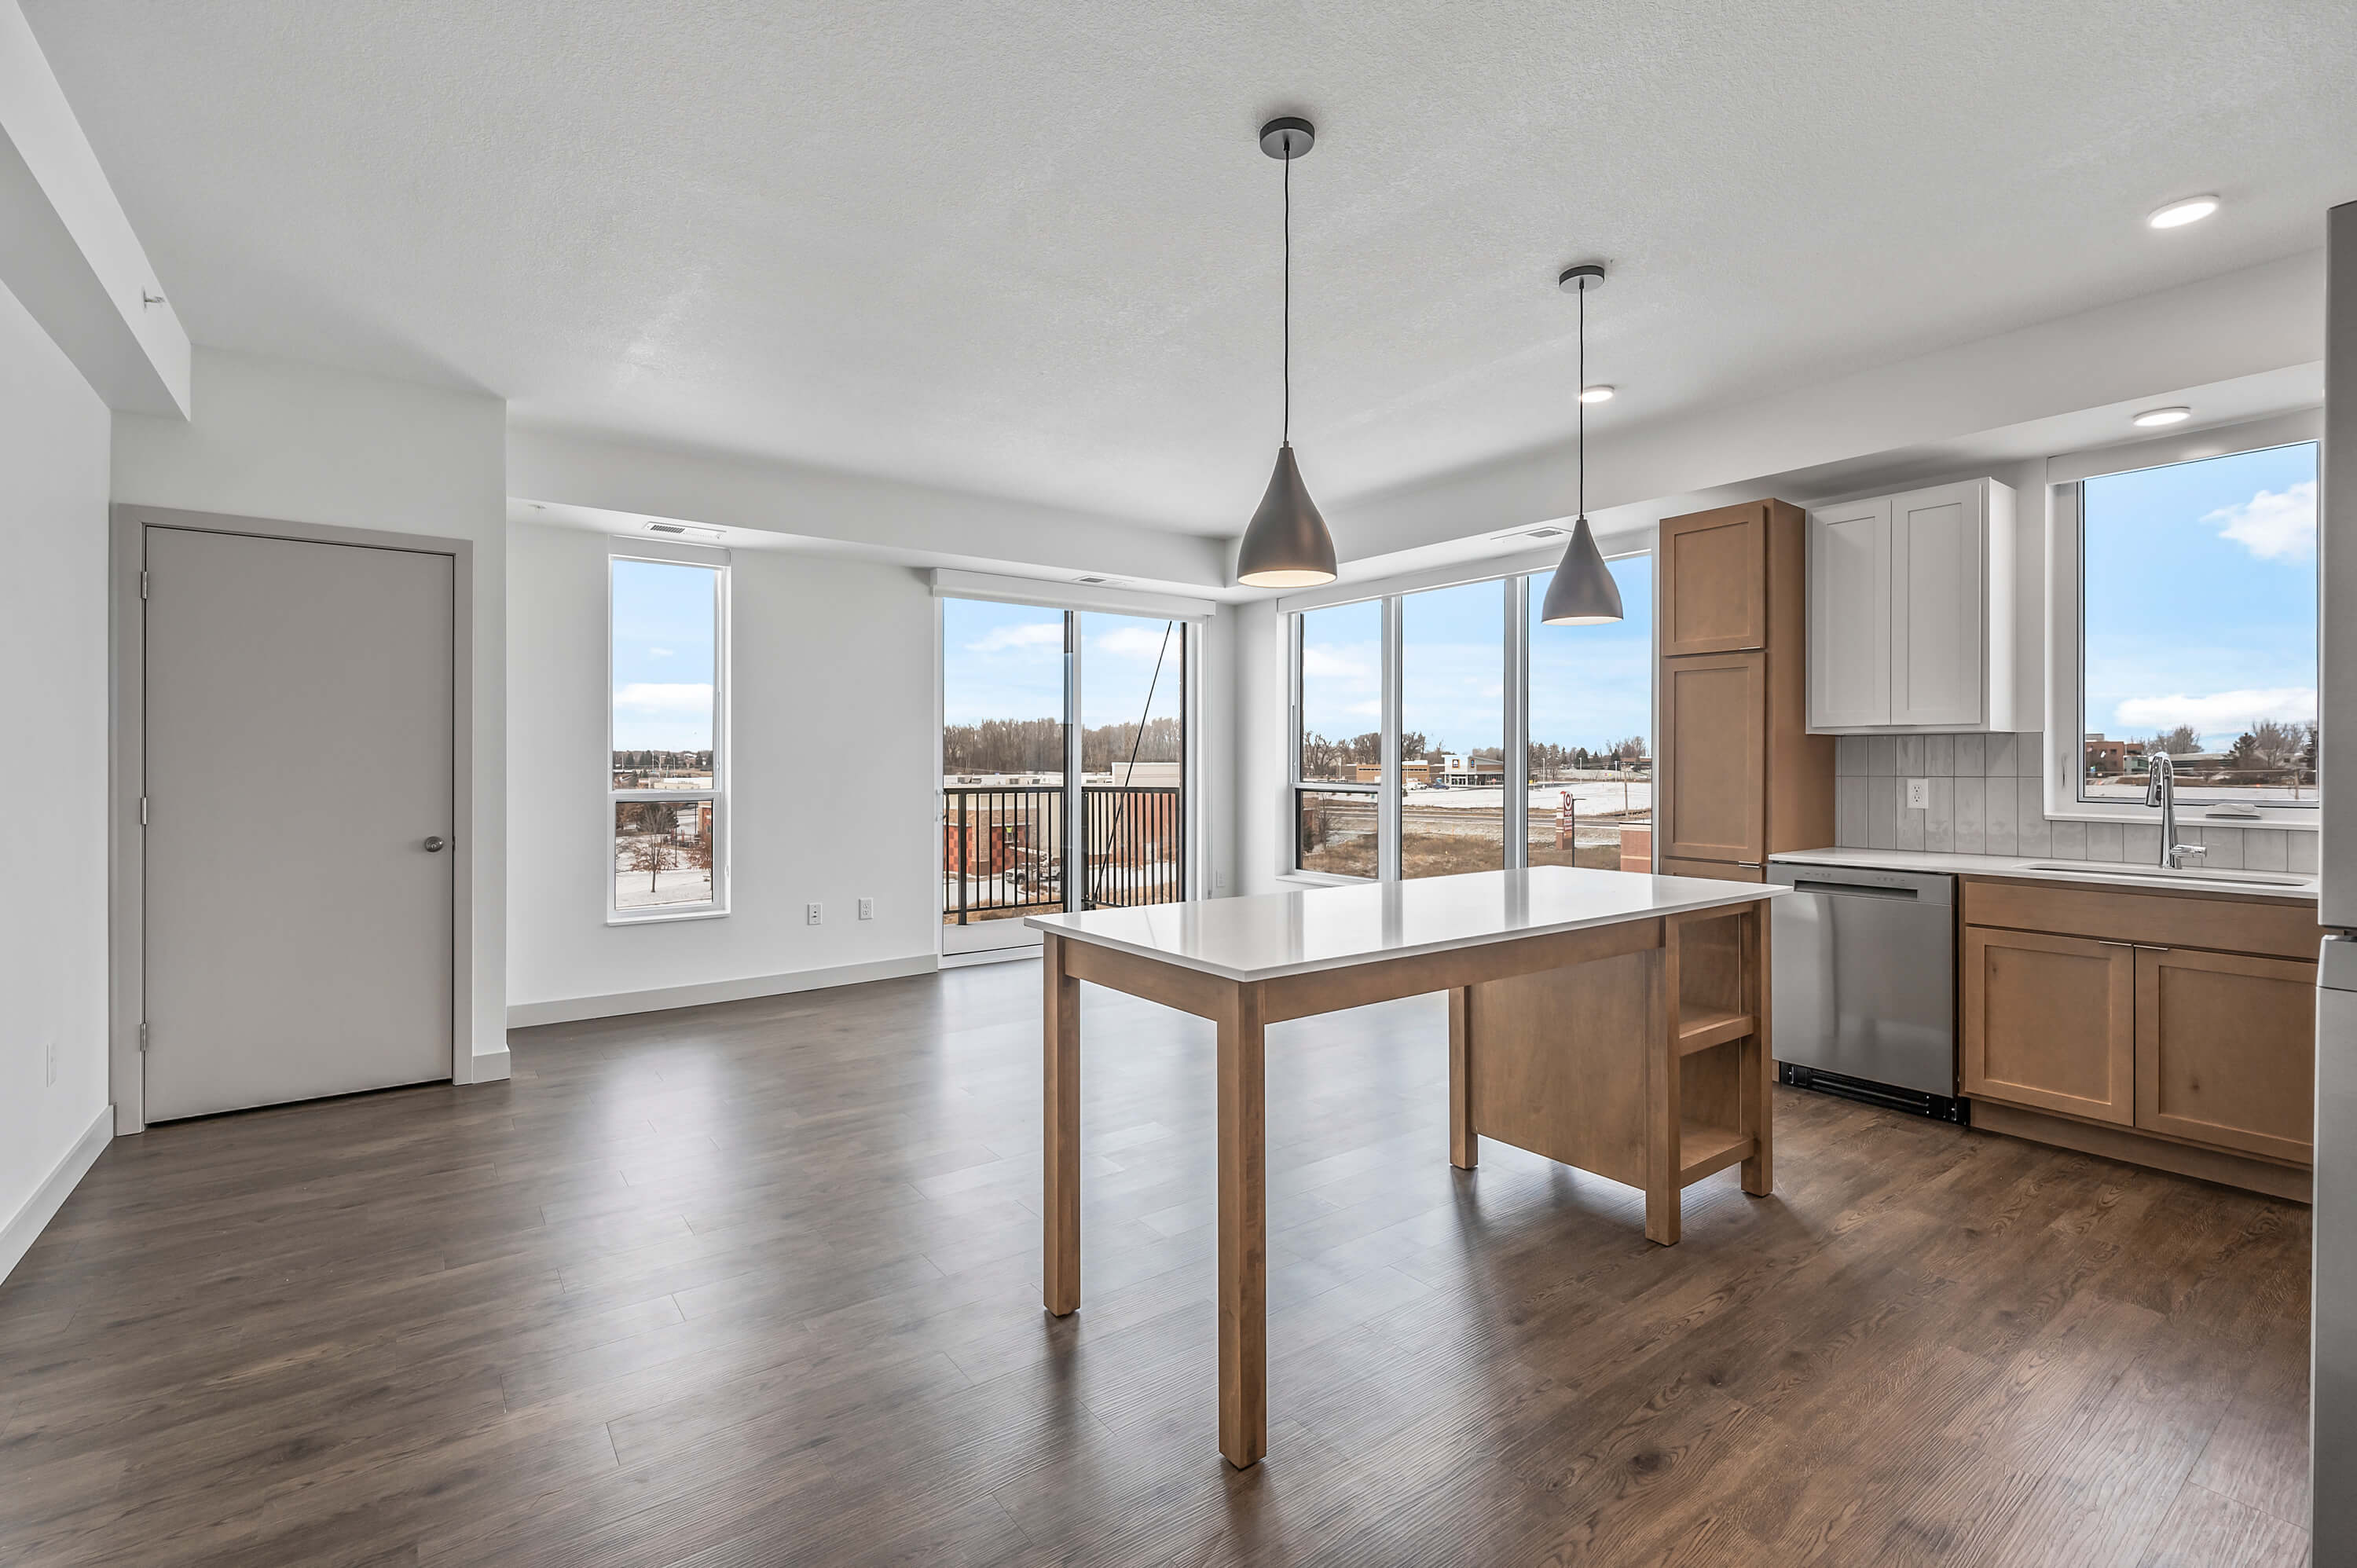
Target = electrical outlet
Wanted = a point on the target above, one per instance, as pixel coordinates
(50, 1061)
(811, 913)
(1220, 883)
(867, 908)
(1919, 794)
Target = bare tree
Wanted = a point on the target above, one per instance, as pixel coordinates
(652, 854)
(2177, 742)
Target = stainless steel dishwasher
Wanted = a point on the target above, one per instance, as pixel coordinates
(1863, 962)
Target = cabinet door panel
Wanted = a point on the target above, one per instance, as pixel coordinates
(1937, 618)
(1715, 581)
(1849, 614)
(2050, 1023)
(2226, 1050)
(1712, 800)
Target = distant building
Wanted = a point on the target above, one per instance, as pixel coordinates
(2114, 756)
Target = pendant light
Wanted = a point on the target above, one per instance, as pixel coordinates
(1286, 545)
(1583, 592)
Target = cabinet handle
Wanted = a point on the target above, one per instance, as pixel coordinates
(2106, 942)
(2148, 946)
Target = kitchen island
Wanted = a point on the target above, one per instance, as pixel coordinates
(1610, 1020)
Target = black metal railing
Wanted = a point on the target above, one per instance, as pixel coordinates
(1003, 849)
(1136, 840)
(1002, 852)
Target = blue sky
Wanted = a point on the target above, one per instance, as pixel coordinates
(1006, 661)
(2199, 587)
(1590, 685)
(662, 672)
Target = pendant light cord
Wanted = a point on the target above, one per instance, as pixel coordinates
(1285, 438)
(1582, 398)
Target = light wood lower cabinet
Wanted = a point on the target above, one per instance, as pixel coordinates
(2225, 1050)
(2050, 1022)
(2186, 1046)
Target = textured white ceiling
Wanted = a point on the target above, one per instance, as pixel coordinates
(1031, 249)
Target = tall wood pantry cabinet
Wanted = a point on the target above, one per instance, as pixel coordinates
(1737, 775)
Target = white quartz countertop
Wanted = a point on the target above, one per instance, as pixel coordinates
(2110, 874)
(1269, 935)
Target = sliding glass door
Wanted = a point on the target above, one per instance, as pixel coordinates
(1028, 792)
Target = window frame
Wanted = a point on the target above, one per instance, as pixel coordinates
(718, 562)
(1514, 581)
(2066, 627)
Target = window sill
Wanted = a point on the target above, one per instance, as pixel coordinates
(666, 917)
(2309, 818)
(1322, 880)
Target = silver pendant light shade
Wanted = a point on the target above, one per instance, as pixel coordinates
(1583, 592)
(1286, 545)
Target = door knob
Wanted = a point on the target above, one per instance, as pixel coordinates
(434, 845)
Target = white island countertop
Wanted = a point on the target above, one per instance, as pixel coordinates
(2221, 883)
(1268, 934)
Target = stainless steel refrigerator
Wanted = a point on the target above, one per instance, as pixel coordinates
(2333, 1410)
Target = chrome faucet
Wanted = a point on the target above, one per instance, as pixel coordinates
(2161, 790)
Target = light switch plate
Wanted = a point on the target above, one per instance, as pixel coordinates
(1919, 794)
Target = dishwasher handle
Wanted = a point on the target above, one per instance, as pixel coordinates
(1937, 888)
(1853, 889)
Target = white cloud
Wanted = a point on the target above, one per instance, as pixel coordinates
(661, 700)
(1332, 663)
(1136, 643)
(2273, 525)
(2221, 713)
(1030, 634)
(1373, 710)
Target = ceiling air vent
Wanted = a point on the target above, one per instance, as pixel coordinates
(1546, 531)
(662, 530)
(1098, 582)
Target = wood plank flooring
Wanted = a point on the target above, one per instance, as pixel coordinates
(759, 1283)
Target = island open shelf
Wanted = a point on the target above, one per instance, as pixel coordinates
(1649, 1066)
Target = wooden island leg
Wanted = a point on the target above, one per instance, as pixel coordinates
(1464, 1146)
(1664, 1193)
(1060, 1017)
(1758, 1058)
(1243, 1231)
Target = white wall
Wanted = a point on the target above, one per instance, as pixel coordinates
(53, 453)
(1262, 814)
(275, 439)
(832, 777)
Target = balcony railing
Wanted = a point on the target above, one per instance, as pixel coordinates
(1003, 849)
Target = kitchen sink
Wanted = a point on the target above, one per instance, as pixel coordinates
(2113, 868)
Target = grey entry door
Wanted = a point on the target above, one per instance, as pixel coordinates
(298, 709)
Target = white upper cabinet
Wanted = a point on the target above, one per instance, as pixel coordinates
(1912, 611)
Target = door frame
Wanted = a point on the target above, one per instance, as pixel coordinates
(126, 740)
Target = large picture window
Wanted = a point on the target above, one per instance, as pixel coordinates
(667, 643)
(1519, 743)
(2197, 620)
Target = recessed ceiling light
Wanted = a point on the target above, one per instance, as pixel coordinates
(2178, 214)
(2152, 416)
(1596, 394)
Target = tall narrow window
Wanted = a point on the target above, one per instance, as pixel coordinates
(1591, 767)
(666, 638)
(1338, 761)
(1453, 730)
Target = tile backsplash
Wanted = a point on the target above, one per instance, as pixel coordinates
(1987, 796)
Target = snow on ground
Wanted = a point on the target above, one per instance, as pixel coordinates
(1592, 797)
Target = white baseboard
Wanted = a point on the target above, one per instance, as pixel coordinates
(573, 1009)
(483, 1066)
(989, 955)
(17, 1237)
